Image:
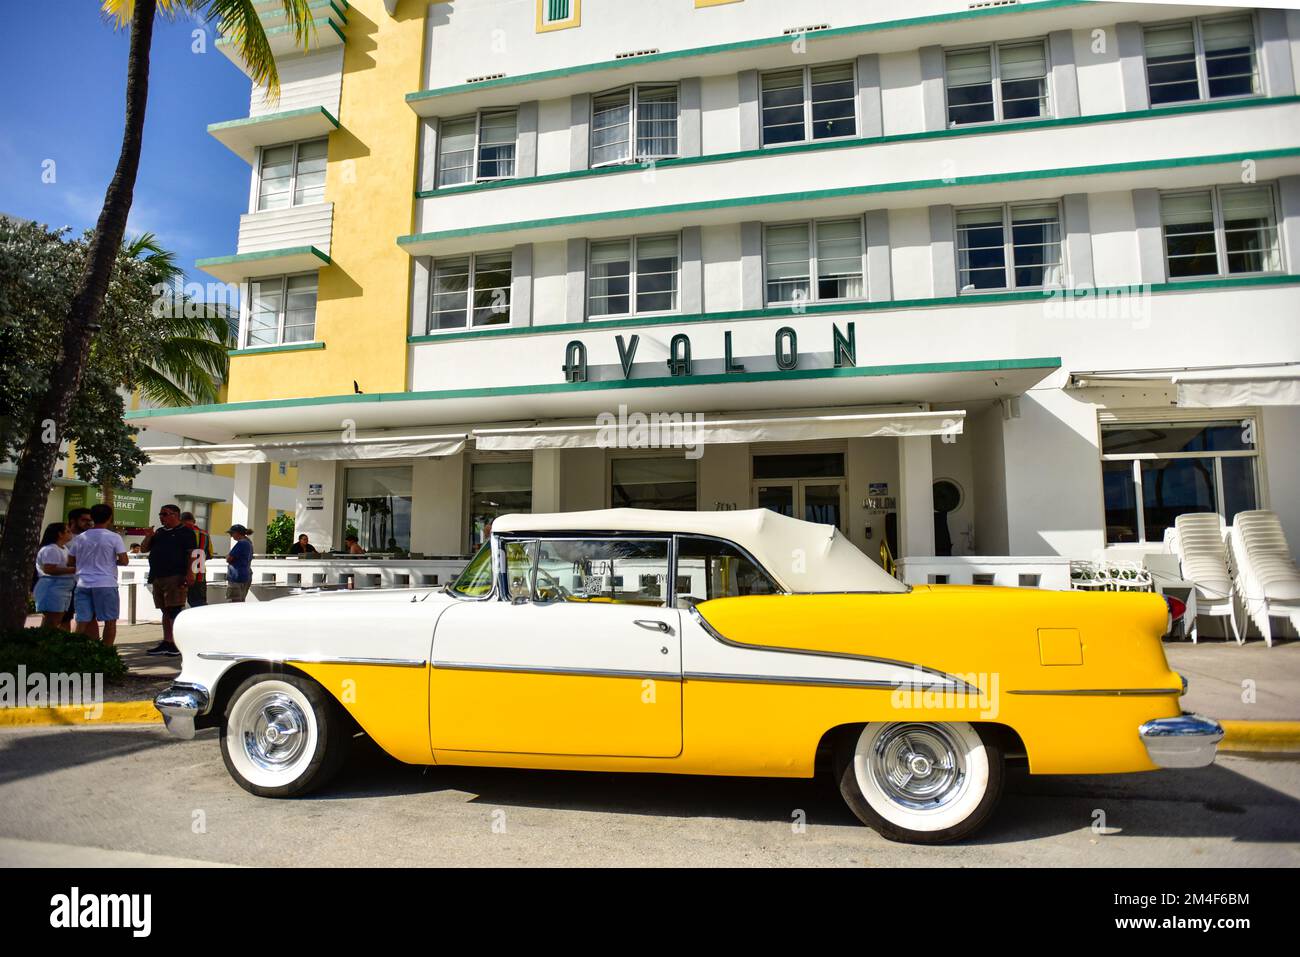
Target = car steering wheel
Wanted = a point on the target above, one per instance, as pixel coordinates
(560, 593)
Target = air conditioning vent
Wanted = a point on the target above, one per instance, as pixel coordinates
(632, 53)
(807, 29)
(480, 79)
(992, 3)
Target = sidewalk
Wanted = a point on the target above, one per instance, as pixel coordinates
(1221, 673)
(147, 675)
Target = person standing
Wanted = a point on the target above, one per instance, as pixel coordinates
(197, 595)
(55, 576)
(78, 521)
(96, 554)
(173, 551)
(239, 564)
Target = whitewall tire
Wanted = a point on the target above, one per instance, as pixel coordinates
(283, 735)
(921, 783)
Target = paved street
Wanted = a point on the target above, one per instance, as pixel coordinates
(131, 795)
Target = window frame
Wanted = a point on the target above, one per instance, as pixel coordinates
(995, 67)
(1198, 55)
(632, 455)
(1008, 245)
(632, 278)
(1137, 458)
(477, 116)
(469, 293)
(246, 311)
(1220, 233)
(812, 259)
(634, 155)
(255, 200)
(807, 104)
(545, 24)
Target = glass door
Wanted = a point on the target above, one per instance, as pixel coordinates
(813, 500)
(778, 496)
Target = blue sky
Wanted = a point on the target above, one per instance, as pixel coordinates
(64, 73)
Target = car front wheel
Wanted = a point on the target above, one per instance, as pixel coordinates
(283, 735)
(921, 783)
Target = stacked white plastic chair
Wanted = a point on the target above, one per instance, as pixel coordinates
(1267, 580)
(1199, 542)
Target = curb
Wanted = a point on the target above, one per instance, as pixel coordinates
(1260, 736)
(109, 712)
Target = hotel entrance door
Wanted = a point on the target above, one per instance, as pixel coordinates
(813, 500)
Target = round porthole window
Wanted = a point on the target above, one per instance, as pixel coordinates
(947, 496)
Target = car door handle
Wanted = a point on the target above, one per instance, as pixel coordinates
(654, 623)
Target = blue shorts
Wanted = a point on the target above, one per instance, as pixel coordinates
(54, 593)
(97, 604)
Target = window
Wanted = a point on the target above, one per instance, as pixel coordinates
(201, 510)
(627, 276)
(292, 175)
(1205, 59)
(558, 14)
(665, 483)
(708, 569)
(811, 103)
(831, 251)
(1154, 472)
(1003, 81)
(497, 488)
(634, 124)
(281, 310)
(473, 149)
(470, 288)
(1225, 231)
(1009, 247)
(378, 508)
(475, 580)
(628, 571)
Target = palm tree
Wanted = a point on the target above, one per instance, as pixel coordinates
(239, 22)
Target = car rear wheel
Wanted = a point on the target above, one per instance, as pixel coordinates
(283, 735)
(921, 783)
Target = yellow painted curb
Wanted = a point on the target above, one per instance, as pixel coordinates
(110, 712)
(1260, 735)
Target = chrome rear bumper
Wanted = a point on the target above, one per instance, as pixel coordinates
(1187, 741)
(180, 704)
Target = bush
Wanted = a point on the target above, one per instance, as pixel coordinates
(53, 651)
(279, 534)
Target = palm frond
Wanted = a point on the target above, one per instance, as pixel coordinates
(241, 25)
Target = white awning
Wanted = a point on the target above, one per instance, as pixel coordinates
(678, 430)
(1250, 385)
(313, 449)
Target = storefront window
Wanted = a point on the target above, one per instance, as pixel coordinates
(1154, 472)
(497, 488)
(653, 483)
(378, 508)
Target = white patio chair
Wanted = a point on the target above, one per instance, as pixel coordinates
(1087, 576)
(1198, 541)
(1267, 580)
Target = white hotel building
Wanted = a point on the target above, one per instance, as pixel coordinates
(1013, 279)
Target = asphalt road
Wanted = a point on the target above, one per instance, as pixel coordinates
(131, 795)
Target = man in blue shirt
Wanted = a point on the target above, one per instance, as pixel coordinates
(239, 564)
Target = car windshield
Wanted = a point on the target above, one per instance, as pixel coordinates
(476, 580)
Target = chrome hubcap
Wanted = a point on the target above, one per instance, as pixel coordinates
(274, 731)
(918, 766)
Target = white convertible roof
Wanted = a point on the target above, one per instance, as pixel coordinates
(802, 556)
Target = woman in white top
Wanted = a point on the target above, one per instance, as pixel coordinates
(55, 578)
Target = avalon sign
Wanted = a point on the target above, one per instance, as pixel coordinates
(785, 350)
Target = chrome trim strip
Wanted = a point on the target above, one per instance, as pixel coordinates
(557, 670)
(1113, 692)
(339, 660)
(819, 682)
(958, 684)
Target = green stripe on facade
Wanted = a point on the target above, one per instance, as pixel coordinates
(873, 188)
(839, 308)
(288, 347)
(273, 118)
(267, 254)
(857, 142)
(759, 43)
(1047, 364)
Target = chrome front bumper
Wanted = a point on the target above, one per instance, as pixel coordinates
(1188, 741)
(180, 705)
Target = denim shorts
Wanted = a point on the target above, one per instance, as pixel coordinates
(54, 593)
(97, 604)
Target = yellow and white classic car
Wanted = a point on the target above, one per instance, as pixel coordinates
(727, 643)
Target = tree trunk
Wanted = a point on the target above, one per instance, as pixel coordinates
(36, 463)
